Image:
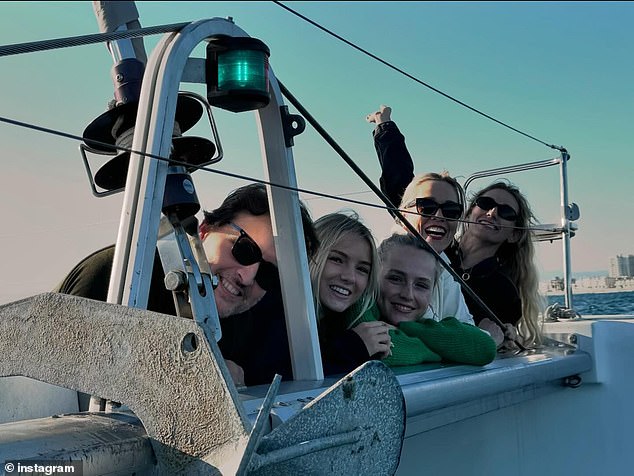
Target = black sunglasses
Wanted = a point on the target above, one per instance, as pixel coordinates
(247, 252)
(504, 211)
(429, 207)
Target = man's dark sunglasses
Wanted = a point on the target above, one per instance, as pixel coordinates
(247, 252)
(429, 207)
(504, 211)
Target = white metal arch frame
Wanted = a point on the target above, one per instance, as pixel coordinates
(145, 185)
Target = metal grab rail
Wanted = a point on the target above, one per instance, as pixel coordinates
(511, 169)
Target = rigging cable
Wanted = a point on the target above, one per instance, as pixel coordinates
(395, 212)
(58, 43)
(88, 39)
(339, 197)
(419, 81)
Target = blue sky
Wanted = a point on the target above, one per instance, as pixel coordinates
(559, 71)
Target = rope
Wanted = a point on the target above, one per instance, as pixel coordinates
(58, 43)
(555, 311)
(121, 146)
(394, 211)
(406, 74)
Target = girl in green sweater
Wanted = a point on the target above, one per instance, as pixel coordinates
(407, 275)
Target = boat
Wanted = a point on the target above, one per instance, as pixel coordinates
(561, 409)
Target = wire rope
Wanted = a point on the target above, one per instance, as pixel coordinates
(412, 77)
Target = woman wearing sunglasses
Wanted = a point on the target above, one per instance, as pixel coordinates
(494, 253)
(433, 203)
(344, 280)
(495, 256)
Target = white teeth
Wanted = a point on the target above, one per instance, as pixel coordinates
(435, 230)
(229, 287)
(340, 290)
(403, 308)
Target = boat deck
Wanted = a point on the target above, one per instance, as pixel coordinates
(440, 394)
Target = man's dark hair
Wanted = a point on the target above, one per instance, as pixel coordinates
(253, 199)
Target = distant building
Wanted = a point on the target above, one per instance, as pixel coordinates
(557, 284)
(589, 284)
(621, 266)
(596, 282)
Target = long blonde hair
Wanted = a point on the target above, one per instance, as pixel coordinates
(330, 229)
(518, 260)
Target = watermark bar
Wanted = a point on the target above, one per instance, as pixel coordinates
(43, 467)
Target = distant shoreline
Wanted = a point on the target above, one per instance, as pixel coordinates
(591, 291)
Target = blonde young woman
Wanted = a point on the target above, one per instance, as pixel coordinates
(344, 280)
(436, 202)
(494, 253)
(407, 276)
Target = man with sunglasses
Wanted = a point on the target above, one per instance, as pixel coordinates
(237, 238)
(238, 241)
(245, 270)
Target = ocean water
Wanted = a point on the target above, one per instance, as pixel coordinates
(599, 303)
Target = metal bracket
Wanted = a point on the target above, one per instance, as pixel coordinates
(260, 426)
(293, 125)
(573, 212)
(93, 186)
(196, 299)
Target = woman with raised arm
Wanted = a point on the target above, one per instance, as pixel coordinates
(493, 254)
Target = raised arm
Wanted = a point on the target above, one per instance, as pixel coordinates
(397, 167)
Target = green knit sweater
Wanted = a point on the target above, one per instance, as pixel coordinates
(449, 340)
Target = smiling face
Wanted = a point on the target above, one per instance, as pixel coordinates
(436, 230)
(406, 280)
(237, 290)
(346, 273)
(493, 228)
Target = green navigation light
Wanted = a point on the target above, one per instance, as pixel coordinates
(237, 73)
